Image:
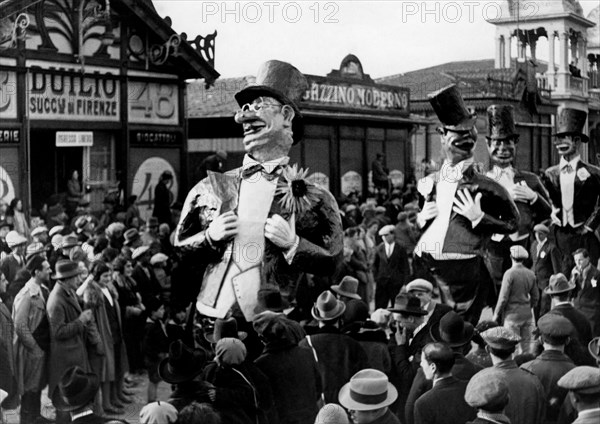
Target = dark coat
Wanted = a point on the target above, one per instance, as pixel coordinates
(67, 335)
(147, 286)
(462, 370)
(10, 266)
(339, 357)
(295, 381)
(8, 381)
(375, 344)
(405, 363)
(444, 404)
(162, 203)
(393, 270)
(387, 418)
(500, 213)
(423, 336)
(587, 299)
(549, 367)
(582, 334)
(546, 264)
(586, 194)
(319, 229)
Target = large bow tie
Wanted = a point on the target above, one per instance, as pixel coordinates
(257, 167)
(567, 169)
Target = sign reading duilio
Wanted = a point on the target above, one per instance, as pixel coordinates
(59, 91)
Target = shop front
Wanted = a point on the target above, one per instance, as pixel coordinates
(103, 99)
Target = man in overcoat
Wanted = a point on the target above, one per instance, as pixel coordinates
(261, 225)
(574, 188)
(460, 210)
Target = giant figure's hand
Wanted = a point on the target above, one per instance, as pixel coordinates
(224, 227)
(554, 216)
(522, 193)
(429, 211)
(467, 206)
(280, 232)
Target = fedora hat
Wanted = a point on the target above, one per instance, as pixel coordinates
(558, 284)
(451, 110)
(270, 300)
(66, 269)
(348, 287)
(367, 390)
(69, 241)
(327, 307)
(182, 364)
(409, 305)
(571, 122)
(14, 239)
(225, 328)
(501, 123)
(452, 330)
(283, 82)
(131, 236)
(75, 389)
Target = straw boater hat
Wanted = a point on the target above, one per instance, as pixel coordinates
(452, 330)
(284, 83)
(66, 269)
(367, 390)
(327, 307)
(75, 390)
(348, 287)
(182, 364)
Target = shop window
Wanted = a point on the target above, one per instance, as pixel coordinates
(99, 169)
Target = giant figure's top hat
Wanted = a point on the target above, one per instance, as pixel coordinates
(501, 123)
(283, 82)
(571, 122)
(451, 110)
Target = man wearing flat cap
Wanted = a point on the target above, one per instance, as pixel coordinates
(488, 392)
(390, 267)
(263, 224)
(518, 295)
(524, 187)
(546, 262)
(553, 363)
(574, 188)
(460, 210)
(527, 402)
(583, 384)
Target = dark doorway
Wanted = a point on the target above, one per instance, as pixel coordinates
(51, 166)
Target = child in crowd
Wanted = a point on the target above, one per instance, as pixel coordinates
(155, 344)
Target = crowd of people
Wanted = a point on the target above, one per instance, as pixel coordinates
(110, 304)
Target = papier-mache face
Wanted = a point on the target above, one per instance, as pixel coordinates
(458, 146)
(502, 152)
(267, 124)
(567, 145)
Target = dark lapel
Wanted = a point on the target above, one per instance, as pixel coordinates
(68, 297)
(578, 183)
(4, 310)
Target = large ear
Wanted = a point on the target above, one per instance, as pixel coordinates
(288, 113)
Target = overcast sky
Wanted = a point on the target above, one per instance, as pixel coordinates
(389, 37)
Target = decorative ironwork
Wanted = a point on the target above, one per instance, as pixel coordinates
(159, 53)
(17, 32)
(206, 47)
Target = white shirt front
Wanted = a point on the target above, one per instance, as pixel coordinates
(567, 189)
(389, 249)
(432, 241)
(107, 295)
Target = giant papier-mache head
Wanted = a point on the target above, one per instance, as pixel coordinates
(569, 134)
(458, 132)
(269, 112)
(502, 135)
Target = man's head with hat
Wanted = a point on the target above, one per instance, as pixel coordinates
(269, 115)
(388, 233)
(270, 299)
(501, 343)
(224, 328)
(35, 249)
(16, 242)
(555, 331)
(367, 395)
(518, 254)
(583, 384)
(68, 273)
(142, 254)
(347, 289)
(327, 309)
(502, 135)
(132, 238)
(40, 234)
(75, 391)
(559, 288)
(541, 232)
(452, 330)
(487, 390)
(569, 134)
(182, 364)
(458, 132)
(407, 312)
(422, 289)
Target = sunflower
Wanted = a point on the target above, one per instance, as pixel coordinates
(297, 194)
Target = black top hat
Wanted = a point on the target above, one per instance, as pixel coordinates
(283, 82)
(571, 122)
(224, 328)
(501, 123)
(452, 330)
(270, 300)
(66, 269)
(409, 305)
(75, 389)
(450, 108)
(182, 364)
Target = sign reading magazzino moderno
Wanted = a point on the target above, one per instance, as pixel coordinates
(59, 90)
(341, 94)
